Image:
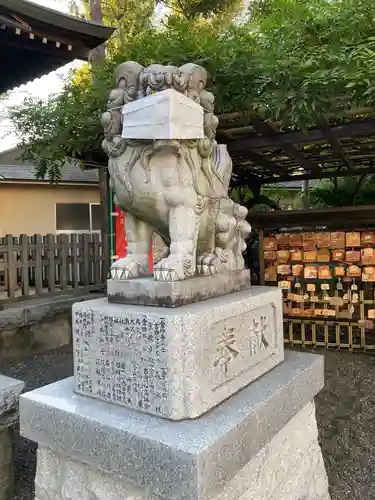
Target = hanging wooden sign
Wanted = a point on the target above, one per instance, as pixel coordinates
(269, 243)
(353, 239)
(323, 240)
(295, 240)
(283, 256)
(368, 238)
(338, 239)
(308, 241)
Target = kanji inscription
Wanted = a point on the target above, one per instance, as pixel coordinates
(239, 343)
(226, 349)
(259, 334)
(126, 362)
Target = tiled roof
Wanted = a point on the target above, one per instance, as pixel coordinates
(69, 173)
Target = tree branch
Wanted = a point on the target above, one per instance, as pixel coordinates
(173, 7)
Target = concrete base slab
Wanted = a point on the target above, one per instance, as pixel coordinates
(261, 444)
(289, 467)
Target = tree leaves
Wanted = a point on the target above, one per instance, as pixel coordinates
(294, 60)
(193, 8)
(343, 192)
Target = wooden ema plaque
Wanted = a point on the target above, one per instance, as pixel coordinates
(328, 283)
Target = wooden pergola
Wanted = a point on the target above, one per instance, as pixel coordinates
(35, 40)
(265, 153)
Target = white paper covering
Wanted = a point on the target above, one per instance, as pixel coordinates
(164, 115)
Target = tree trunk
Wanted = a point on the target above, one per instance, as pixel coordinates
(305, 194)
(98, 54)
(96, 58)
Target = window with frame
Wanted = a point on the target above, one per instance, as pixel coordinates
(78, 218)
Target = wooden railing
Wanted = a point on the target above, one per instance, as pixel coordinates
(39, 265)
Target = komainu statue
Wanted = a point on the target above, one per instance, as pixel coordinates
(177, 188)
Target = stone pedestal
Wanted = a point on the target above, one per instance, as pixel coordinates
(176, 362)
(10, 390)
(147, 292)
(260, 444)
(180, 403)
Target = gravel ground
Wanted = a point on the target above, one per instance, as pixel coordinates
(345, 414)
(35, 372)
(345, 410)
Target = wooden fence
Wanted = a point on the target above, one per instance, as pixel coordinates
(37, 265)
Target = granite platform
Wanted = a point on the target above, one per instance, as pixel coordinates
(148, 292)
(259, 444)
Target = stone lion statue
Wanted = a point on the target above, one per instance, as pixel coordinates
(175, 188)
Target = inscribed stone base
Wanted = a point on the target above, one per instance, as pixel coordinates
(261, 444)
(147, 292)
(176, 363)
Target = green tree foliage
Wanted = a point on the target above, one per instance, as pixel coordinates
(343, 192)
(193, 8)
(292, 61)
(116, 10)
(129, 17)
(268, 198)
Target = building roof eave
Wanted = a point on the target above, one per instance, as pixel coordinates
(97, 33)
(36, 40)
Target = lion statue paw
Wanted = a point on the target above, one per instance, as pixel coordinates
(171, 268)
(208, 264)
(129, 267)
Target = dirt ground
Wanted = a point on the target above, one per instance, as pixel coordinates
(345, 413)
